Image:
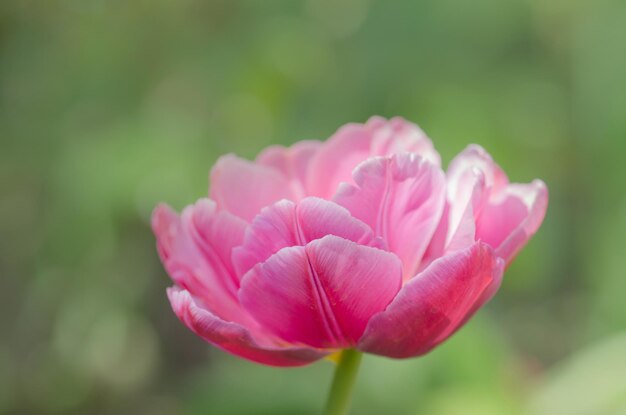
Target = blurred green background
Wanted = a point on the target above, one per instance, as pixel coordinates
(109, 106)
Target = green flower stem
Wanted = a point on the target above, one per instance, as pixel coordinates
(340, 395)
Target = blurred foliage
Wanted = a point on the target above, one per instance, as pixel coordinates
(109, 106)
(590, 382)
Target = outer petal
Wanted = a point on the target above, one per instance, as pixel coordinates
(293, 162)
(235, 338)
(195, 249)
(434, 304)
(354, 143)
(401, 197)
(287, 224)
(323, 294)
(508, 222)
(244, 188)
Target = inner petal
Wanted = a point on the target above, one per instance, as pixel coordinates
(286, 224)
(243, 188)
(402, 198)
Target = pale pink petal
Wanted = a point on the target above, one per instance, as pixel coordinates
(398, 136)
(323, 294)
(457, 227)
(338, 156)
(244, 188)
(235, 338)
(434, 304)
(354, 143)
(465, 206)
(195, 249)
(509, 220)
(293, 162)
(288, 224)
(508, 214)
(476, 157)
(401, 198)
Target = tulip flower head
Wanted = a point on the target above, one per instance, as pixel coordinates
(359, 242)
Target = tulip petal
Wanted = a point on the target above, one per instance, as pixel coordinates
(287, 224)
(400, 136)
(457, 227)
(353, 143)
(195, 249)
(293, 162)
(508, 221)
(465, 206)
(322, 294)
(235, 338)
(434, 304)
(476, 157)
(401, 198)
(243, 188)
(508, 214)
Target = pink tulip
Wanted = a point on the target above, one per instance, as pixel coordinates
(358, 242)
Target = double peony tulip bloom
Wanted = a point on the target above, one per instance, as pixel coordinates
(358, 242)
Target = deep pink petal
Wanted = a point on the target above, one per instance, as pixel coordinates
(244, 188)
(323, 294)
(434, 304)
(287, 224)
(354, 143)
(293, 162)
(509, 220)
(235, 338)
(195, 249)
(402, 198)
